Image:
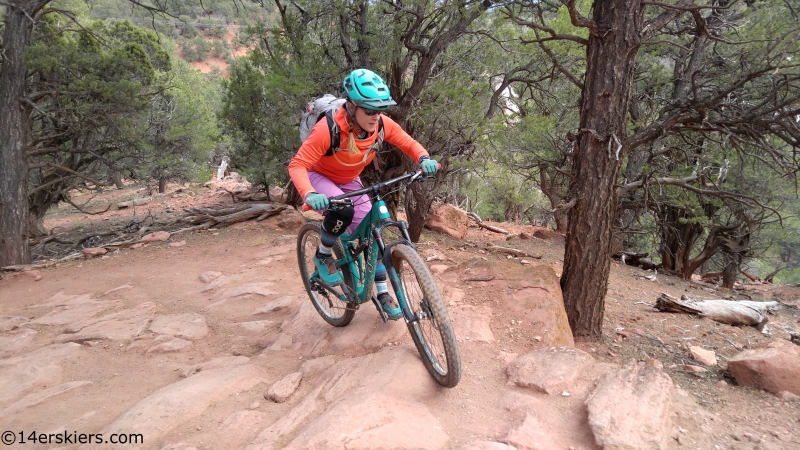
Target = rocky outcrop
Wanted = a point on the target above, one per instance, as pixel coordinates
(448, 219)
(549, 370)
(629, 408)
(774, 368)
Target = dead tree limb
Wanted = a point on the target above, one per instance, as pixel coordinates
(232, 214)
(511, 251)
(476, 218)
(724, 311)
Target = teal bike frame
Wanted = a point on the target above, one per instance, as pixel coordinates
(365, 245)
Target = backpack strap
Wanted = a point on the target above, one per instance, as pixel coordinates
(336, 132)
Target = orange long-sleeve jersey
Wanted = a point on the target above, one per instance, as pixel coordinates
(342, 167)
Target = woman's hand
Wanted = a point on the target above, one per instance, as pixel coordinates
(429, 167)
(317, 202)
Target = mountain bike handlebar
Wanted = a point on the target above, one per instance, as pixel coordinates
(343, 199)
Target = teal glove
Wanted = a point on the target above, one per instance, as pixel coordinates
(317, 202)
(429, 167)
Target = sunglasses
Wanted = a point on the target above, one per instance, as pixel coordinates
(370, 112)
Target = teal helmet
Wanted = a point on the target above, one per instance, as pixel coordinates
(367, 90)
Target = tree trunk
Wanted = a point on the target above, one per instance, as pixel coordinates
(14, 133)
(162, 185)
(116, 178)
(611, 56)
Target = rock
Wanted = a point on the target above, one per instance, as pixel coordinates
(472, 322)
(180, 402)
(254, 405)
(549, 235)
(209, 276)
(143, 310)
(8, 323)
(139, 245)
(32, 370)
(506, 357)
(155, 237)
(41, 396)
(703, 356)
(274, 305)
(92, 252)
(276, 194)
(316, 365)
(549, 370)
(260, 288)
(222, 361)
(438, 268)
(533, 435)
(61, 299)
(788, 396)
(629, 408)
(241, 426)
(168, 344)
(35, 274)
(255, 326)
(692, 368)
(283, 389)
(177, 244)
(773, 368)
(63, 315)
(290, 219)
(190, 326)
(373, 420)
(448, 219)
(16, 341)
(117, 330)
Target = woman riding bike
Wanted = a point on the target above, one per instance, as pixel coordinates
(316, 176)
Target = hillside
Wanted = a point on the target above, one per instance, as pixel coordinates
(181, 340)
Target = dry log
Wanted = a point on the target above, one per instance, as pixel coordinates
(24, 267)
(232, 214)
(483, 224)
(725, 311)
(511, 251)
(135, 202)
(636, 260)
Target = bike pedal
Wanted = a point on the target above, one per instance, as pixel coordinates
(377, 304)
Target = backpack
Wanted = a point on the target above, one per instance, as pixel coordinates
(326, 106)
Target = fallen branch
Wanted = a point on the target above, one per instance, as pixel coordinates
(725, 311)
(511, 251)
(135, 202)
(483, 224)
(232, 214)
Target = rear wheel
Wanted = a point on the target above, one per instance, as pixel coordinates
(431, 330)
(326, 299)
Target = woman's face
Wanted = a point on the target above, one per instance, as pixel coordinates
(368, 123)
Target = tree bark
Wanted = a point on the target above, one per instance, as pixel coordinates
(611, 54)
(14, 133)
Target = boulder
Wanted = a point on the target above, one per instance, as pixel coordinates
(549, 370)
(448, 219)
(283, 389)
(209, 276)
(168, 344)
(629, 408)
(291, 220)
(773, 368)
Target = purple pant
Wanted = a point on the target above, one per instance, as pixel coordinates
(323, 185)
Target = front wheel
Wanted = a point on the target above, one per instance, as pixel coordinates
(327, 300)
(431, 328)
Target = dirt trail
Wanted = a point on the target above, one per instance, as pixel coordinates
(138, 343)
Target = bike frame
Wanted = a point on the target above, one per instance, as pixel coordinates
(372, 226)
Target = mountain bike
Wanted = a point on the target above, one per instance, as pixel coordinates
(356, 256)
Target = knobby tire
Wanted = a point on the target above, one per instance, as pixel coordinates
(332, 309)
(433, 336)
